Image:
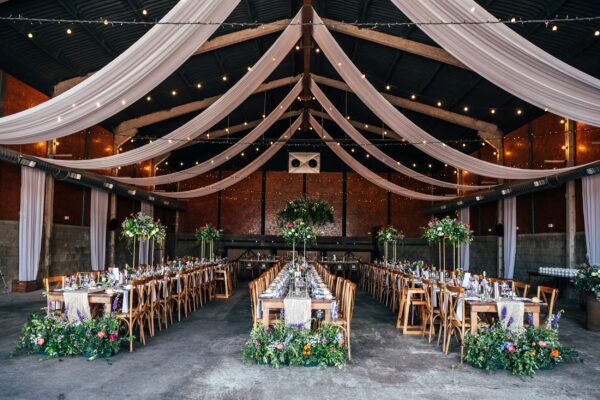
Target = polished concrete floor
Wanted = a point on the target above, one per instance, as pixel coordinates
(199, 358)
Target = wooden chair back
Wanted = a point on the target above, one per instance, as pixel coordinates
(520, 288)
(548, 295)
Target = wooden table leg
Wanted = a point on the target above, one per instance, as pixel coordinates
(327, 315)
(474, 322)
(536, 318)
(265, 315)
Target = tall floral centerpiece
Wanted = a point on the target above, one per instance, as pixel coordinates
(139, 226)
(448, 230)
(300, 218)
(587, 281)
(208, 234)
(387, 235)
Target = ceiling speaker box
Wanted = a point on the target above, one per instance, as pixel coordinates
(304, 163)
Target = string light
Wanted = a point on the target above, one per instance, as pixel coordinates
(297, 47)
(30, 35)
(519, 111)
(554, 28)
(144, 12)
(105, 21)
(224, 78)
(317, 50)
(439, 103)
(148, 98)
(198, 85)
(387, 87)
(466, 109)
(413, 96)
(493, 111)
(597, 33)
(174, 93)
(69, 31)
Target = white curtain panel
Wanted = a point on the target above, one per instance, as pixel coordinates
(146, 209)
(98, 221)
(31, 219)
(241, 174)
(590, 186)
(366, 145)
(367, 173)
(223, 157)
(209, 117)
(510, 236)
(404, 126)
(124, 80)
(464, 253)
(507, 59)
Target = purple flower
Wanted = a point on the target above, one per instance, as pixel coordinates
(88, 333)
(530, 319)
(503, 314)
(324, 341)
(555, 320)
(282, 314)
(510, 321)
(115, 304)
(79, 315)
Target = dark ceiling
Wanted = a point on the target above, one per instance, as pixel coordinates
(53, 56)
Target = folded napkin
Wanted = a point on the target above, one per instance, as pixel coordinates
(511, 314)
(297, 311)
(77, 306)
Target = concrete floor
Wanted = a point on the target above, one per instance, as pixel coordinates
(199, 358)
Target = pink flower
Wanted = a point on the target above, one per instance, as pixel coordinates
(101, 334)
(41, 341)
(279, 346)
(543, 343)
(290, 225)
(468, 226)
(510, 347)
(113, 336)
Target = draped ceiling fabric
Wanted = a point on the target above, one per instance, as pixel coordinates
(464, 248)
(209, 117)
(507, 59)
(98, 223)
(510, 236)
(146, 209)
(223, 157)
(404, 126)
(31, 216)
(365, 144)
(124, 80)
(367, 173)
(241, 174)
(591, 217)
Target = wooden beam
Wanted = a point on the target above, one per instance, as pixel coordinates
(213, 44)
(395, 42)
(159, 116)
(435, 112)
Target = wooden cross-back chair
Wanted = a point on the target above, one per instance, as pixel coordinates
(548, 295)
(52, 283)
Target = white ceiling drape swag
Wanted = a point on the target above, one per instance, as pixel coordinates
(223, 157)
(404, 126)
(31, 218)
(241, 174)
(510, 236)
(367, 173)
(98, 221)
(507, 59)
(591, 217)
(366, 145)
(209, 117)
(464, 248)
(146, 209)
(124, 80)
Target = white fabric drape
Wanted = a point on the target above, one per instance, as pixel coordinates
(223, 157)
(146, 209)
(31, 218)
(367, 173)
(209, 117)
(590, 186)
(365, 144)
(464, 253)
(510, 236)
(507, 59)
(241, 174)
(98, 221)
(124, 80)
(404, 126)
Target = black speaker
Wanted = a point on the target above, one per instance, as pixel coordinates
(499, 228)
(113, 224)
(295, 163)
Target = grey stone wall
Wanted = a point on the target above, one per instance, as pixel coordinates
(69, 249)
(9, 251)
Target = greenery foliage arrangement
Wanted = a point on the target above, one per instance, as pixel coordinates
(522, 352)
(389, 234)
(208, 232)
(298, 231)
(311, 212)
(587, 280)
(447, 228)
(280, 344)
(141, 226)
(55, 336)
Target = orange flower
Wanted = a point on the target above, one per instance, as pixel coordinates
(554, 353)
(533, 352)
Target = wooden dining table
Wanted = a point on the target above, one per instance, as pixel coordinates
(269, 304)
(481, 307)
(95, 298)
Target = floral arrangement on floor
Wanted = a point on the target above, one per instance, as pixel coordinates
(447, 228)
(587, 280)
(299, 231)
(55, 336)
(389, 234)
(521, 352)
(140, 226)
(280, 345)
(311, 212)
(208, 232)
